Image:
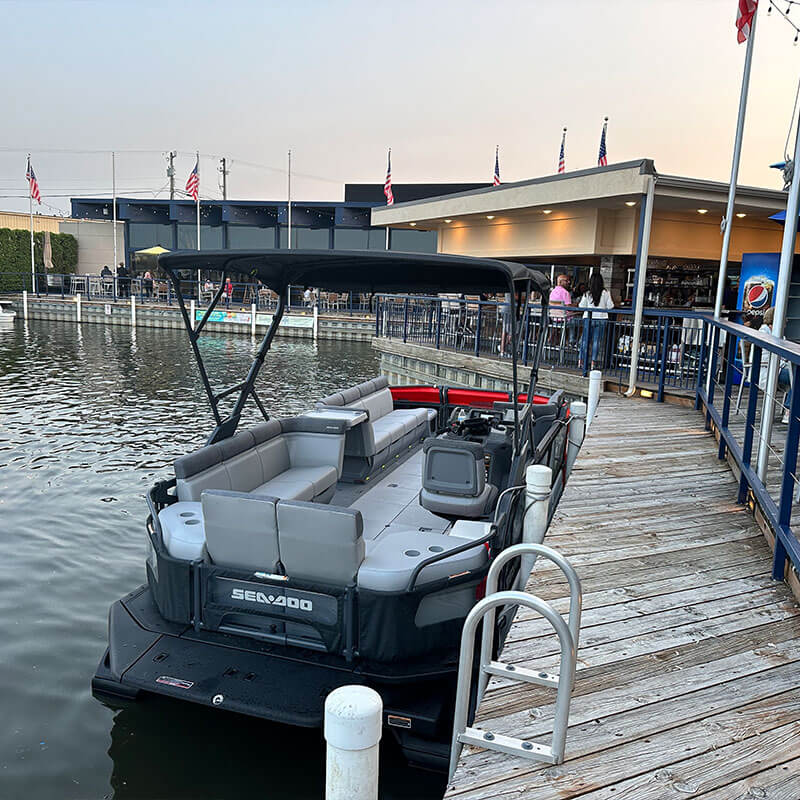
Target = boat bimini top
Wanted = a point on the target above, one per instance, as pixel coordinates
(343, 271)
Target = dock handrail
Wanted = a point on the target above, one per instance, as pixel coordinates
(563, 681)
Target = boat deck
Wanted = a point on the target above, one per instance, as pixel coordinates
(688, 665)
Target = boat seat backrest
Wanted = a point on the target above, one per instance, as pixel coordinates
(274, 458)
(453, 466)
(378, 404)
(320, 542)
(241, 530)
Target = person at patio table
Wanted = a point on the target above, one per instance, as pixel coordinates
(784, 376)
(596, 297)
(560, 296)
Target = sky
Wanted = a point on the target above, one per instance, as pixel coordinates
(441, 82)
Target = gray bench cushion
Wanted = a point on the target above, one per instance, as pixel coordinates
(393, 558)
(320, 543)
(241, 530)
(183, 531)
(299, 483)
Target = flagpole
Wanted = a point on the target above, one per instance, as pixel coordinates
(389, 162)
(30, 209)
(289, 201)
(114, 203)
(197, 203)
(737, 152)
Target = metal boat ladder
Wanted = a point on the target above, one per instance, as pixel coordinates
(568, 633)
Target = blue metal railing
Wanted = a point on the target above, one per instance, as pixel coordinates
(160, 290)
(733, 358)
(576, 338)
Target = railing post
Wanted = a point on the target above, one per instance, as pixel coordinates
(712, 371)
(664, 356)
(730, 354)
(750, 421)
(405, 321)
(700, 364)
(62, 287)
(478, 324)
(169, 292)
(353, 727)
(586, 337)
(438, 324)
(788, 480)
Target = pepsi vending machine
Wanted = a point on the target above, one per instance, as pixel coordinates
(757, 282)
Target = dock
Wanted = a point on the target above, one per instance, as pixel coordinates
(687, 680)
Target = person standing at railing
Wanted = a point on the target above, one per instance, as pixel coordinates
(147, 282)
(784, 373)
(228, 292)
(596, 297)
(560, 297)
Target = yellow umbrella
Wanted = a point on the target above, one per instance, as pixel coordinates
(157, 250)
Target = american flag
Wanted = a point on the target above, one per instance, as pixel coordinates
(193, 181)
(496, 178)
(33, 184)
(561, 162)
(602, 156)
(387, 184)
(744, 19)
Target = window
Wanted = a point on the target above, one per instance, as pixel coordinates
(250, 237)
(350, 239)
(210, 237)
(413, 241)
(142, 235)
(307, 238)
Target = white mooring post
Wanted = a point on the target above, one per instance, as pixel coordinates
(133, 310)
(192, 315)
(252, 319)
(353, 726)
(315, 322)
(538, 480)
(78, 307)
(595, 382)
(577, 430)
(25, 303)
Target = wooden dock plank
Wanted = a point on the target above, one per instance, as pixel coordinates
(686, 682)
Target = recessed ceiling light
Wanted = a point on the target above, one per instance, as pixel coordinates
(413, 224)
(448, 221)
(490, 216)
(702, 211)
(630, 203)
(741, 214)
(547, 211)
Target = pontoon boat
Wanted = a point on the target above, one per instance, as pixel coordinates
(343, 545)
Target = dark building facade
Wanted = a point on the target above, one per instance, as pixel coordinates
(256, 224)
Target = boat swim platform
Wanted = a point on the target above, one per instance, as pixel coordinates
(687, 678)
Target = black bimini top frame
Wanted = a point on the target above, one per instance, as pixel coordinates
(343, 271)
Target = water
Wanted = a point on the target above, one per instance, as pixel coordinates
(89, 418)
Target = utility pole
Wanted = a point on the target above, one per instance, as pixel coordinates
(171, 174)
(224, 171)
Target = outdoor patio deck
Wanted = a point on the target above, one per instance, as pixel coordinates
(689, 654)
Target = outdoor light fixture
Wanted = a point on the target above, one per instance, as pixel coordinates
(547, 211)
(741, 214)
(630, 203)
(702, 211)
(413, 224)
(448, 221)
(490, 216)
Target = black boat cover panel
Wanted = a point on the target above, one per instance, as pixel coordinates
(362, 270)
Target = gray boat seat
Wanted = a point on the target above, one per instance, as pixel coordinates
(320, 542)
(454, 479)
(299, 483)
(241, 530)
(392, 559)
(183, 530)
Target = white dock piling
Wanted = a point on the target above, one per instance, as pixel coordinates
(25, 304)
(538, 480)
(353, 726)
(133, 310)
(252, 319)
(577, 430)
(595, 382)
(315, 322)
(78, 307)
(192, 315)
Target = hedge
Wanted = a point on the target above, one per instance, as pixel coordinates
(15, 255)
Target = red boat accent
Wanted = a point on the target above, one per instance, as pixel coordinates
(417, 394)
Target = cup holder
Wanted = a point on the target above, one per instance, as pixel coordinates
(192, 522)
(412, 553)
(435, 548)
(187, 514)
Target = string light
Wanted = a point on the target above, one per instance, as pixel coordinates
(785, 15)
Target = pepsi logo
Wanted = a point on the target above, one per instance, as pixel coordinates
(757, 296)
